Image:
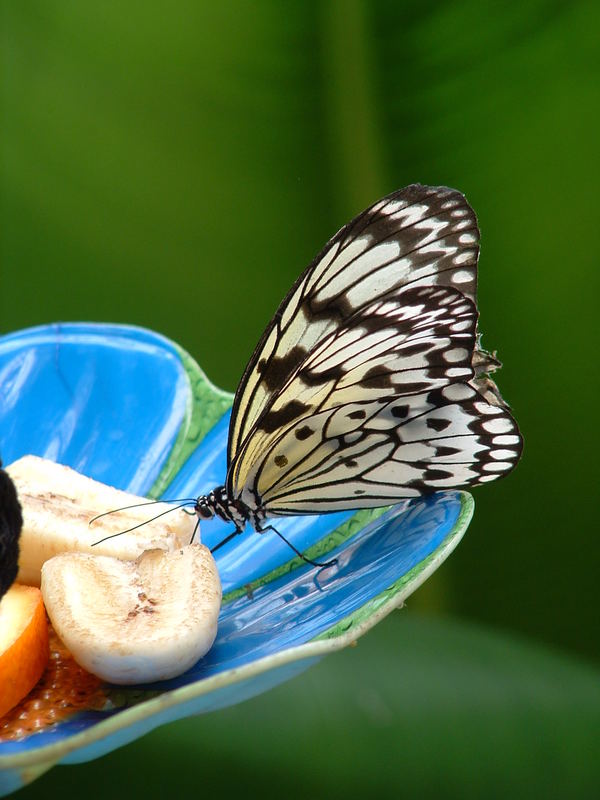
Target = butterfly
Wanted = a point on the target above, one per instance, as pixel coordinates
(369, 385)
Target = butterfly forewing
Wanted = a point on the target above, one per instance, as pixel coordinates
(417, 236)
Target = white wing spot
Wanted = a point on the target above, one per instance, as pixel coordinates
(379, 205)
(462, 258)
(463, 325)
(487, 409)
(501, 425)
(461, 276)
(434, 226)
(457, 372)
(463, 223)
(435, 248)
(393, 207)
(459, 354)
(467, 238)
(499, 455)
(411, 214)
(497, 466)
(506, 440)
(457, 392)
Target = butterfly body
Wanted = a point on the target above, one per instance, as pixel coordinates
(369, 384)
(218, 503)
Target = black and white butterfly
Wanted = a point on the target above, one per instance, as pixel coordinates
(369, 385)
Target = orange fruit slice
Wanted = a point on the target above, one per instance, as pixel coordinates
(23, 643)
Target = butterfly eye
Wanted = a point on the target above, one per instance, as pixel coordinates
(203, 510)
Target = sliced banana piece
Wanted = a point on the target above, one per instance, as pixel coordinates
(58, 504)
(134, 621)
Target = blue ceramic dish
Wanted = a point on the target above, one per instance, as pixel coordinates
(130, 408)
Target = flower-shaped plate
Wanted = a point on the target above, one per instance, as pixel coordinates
(128, 407)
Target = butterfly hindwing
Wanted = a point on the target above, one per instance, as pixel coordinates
(404, 448)
(358, 422)
(417, 236)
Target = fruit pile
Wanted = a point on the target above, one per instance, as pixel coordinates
(132, 608)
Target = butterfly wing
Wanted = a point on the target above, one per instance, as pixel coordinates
(420, 235)
(459, 436)
(386, 407)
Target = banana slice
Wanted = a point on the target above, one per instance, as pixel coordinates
(58, 504)
(134, 621)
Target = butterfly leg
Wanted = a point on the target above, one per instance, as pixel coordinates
(196, 526)
(298, 553)
(226, 539)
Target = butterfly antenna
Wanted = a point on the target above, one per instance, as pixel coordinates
(139, 525)
(183, 500)
(298, 553)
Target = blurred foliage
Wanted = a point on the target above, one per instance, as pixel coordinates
(442, 710)
(177, 165)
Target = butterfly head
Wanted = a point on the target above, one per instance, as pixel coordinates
(204, 508)
(218, 503)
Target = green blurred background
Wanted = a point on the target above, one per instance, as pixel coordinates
(176, 165)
